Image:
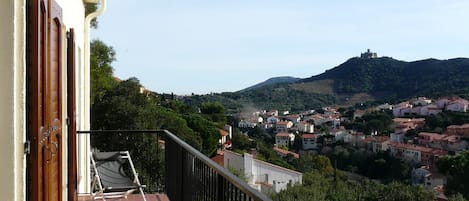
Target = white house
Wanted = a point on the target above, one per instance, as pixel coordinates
(246, 124)
(263, 176)
(272, 120)
(283, 126)
(431, 109)
(309, 141)
(284, 138)
(459, 105)
(453, 104)
(399, 109)
(305, 127)
(355, 139)
(339, 133)
(44, 82)
(421, 101)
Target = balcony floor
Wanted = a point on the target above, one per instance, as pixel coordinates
(132, 197)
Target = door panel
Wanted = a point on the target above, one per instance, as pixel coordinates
(71, 115)
(45, 102)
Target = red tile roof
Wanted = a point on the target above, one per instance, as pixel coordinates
(309, 136)
(379, 139)
(414, 147)
(458, 126)
(219, 158)
(282, 135)
(435, 136)
(223, 132)
(282, 123)
(286, 152)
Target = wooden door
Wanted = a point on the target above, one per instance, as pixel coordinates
(71, 115)
(45, 101)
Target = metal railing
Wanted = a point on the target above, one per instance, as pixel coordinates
(190, 175)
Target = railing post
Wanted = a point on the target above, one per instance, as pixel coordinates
(220, 192)
(190, 175)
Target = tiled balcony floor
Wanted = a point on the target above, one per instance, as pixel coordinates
(133, 197)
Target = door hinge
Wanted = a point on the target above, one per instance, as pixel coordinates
(27, 147)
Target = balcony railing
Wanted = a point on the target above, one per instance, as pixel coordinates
(188, 174)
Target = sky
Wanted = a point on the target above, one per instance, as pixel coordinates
(208, 46)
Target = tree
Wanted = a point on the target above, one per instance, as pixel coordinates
(214, 111)
(101, 58)
(89, 8)
(309, 162)
(317, 186)
(457, 170)
(241, 142)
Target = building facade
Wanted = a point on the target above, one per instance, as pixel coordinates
(261, 175)
(44, 82)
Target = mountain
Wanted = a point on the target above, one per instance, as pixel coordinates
(271, 81)
(387, 78)
(358, 80)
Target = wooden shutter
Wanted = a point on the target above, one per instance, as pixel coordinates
(72, 130)
(45, 100)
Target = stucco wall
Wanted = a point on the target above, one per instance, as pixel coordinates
(256, 170)
(73, 17)
(12, 101)
(12, 89)
(234, 161)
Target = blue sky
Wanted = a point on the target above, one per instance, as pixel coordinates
(203, 46)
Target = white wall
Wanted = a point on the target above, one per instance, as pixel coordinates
(73, 17)
(255, 171)
(13, 87)
(12, 101)
(281, 176)
(233, 160)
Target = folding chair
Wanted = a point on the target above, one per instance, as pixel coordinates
(109, 177)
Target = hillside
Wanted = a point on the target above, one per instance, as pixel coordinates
(387, 78)
(359, 80)
(274, 80)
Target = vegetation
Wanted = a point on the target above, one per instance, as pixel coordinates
(457, 170)
(317, 186)
(372, 79)
(380, 122)
(277, 96)
(439, 122)
(120, 105)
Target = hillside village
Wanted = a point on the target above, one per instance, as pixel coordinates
(312, 132)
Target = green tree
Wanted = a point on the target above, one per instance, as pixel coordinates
(214, 111)
(316, 186)
(309, 162)
(101, 58)
(89, 8)
(457, 170)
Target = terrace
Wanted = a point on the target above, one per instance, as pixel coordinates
(182, 172)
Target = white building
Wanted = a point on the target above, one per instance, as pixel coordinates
(40, 40)
(246, 124)
(309, 141)
(263, 176)
(272, 120)
(283, 126)
(284, 139)
(305, 127)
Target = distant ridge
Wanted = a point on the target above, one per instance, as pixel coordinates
(272, 81)
(358, 80)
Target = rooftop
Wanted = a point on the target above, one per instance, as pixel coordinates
(282, 134)
(309, 136)
(286, 152)
(418, 148)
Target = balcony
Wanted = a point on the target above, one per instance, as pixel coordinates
(181, 172)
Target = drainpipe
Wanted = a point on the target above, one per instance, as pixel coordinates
(84, 140)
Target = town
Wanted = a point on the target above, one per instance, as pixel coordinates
(403, 132)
